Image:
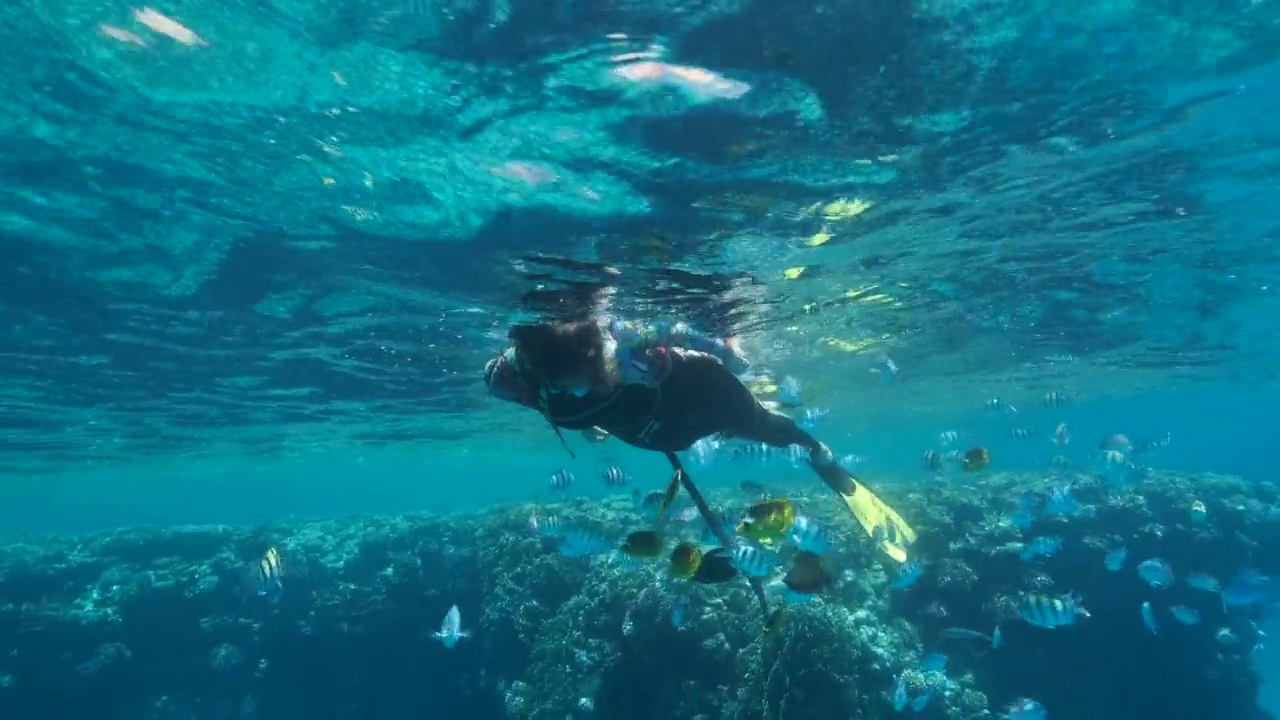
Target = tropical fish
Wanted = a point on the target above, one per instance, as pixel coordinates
(1043, 545)
(716, 567)
(808, 536)
(669, 495)
(1116, 443)
(1021, 433)
(931, 460)
(1156, 572)
(790, 394)
(976, 459)
(615, 477)
(577, 543)
(1060, 436)
(997, 405)
(934, 662)
(560, 480)
(685, 559)
(948, 437)
(1185, 615)
(1061, 502)
(1199, 513)
(642, 544)
(1115, 559)
(751, 561)
(958, 633)
(270, 572)
(648, 501)
(907, 576)
(451, 628)
(1247, 588)
(1149, 618)
(753, 487)
(811, 417)
(1055, 399)
(1050, 612)
(900, 697)
(1026, 709)
(767, 520)
(808, 575)
(1022, 518)
(1151, 446)
(1201, 581)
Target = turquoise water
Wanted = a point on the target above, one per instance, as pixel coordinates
(1215, 429)
(254, 256)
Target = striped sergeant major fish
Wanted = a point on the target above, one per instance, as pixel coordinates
(270, 572)
(560, 480)
(1050, 612)
(616, 477)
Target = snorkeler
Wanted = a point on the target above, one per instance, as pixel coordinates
(589, 376)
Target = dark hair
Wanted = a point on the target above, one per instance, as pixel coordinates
(563, 353)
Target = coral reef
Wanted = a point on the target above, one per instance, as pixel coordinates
(169, 622)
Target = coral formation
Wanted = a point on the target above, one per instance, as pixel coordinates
(169, 622)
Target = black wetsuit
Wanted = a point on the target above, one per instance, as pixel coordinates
(699, 397)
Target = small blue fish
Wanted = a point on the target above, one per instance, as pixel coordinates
(900, 697)
(790, 393)
(1060, 502)
(1115, 559)
(934, 662)
(451, 629)
(996, 639)
(1185, 615)
(560, 480)
(751, 561)
(808, 536)
(1026, 709)
(1156, 572)
(1247, 588)
(1022, 519)
(888, 369)
(811, 417)
(907, 576)
(1041, 546)
(1149, 618)
(582, 543)
(1201, 581)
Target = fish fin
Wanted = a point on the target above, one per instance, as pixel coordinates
(872, 512)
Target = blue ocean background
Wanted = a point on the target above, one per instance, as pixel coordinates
(1217, 429)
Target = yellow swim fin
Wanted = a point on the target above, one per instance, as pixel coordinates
(881, 522)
